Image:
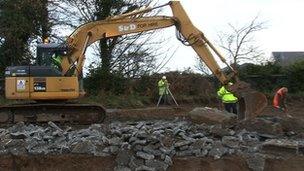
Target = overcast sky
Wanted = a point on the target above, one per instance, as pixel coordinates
(284, 26)
(284, 32)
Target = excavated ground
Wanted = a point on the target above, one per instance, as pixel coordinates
(162, 139)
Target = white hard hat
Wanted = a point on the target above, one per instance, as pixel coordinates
(164, 77)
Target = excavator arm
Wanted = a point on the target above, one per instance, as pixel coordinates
(135, 22)
(89, 33)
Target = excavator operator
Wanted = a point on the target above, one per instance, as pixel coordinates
(56, 61)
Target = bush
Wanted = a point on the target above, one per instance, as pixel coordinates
(189, 87)
(269, 77)
(182, 84)
(295, 77)
(97, 81)
(186, 87)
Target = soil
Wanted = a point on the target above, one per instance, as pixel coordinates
(295, 108)
(87, 162)
(56, 162)
(232, 163)
(150, 113)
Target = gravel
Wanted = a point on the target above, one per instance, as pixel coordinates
(143, 145)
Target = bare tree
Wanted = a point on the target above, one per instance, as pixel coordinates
(202, 67)
(130, 56)
(239, 42)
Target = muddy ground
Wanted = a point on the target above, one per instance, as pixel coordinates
(86, 162)
(295, 108)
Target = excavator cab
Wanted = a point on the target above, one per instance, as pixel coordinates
(43, 65)
(42, 80)
(46, 54)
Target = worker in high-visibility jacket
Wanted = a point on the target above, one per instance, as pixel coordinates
(163, 89)
(228, 99)
(56, 62)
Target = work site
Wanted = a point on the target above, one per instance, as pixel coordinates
(145, 85)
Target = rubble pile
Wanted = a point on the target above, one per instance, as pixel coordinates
(143, 145)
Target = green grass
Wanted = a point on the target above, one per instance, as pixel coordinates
(119, 101)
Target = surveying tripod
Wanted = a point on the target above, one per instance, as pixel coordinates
(165, 94)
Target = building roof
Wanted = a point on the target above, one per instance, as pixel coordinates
(287, 58)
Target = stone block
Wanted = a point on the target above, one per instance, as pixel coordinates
(211, 116)
(144, 155)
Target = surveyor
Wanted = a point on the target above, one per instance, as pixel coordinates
(279, 99)
(228, 99)
(163, 91)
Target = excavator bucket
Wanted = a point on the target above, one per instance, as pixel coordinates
(251, 102)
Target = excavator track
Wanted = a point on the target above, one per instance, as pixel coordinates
(55, 112)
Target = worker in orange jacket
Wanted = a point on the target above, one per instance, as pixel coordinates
(279, 100)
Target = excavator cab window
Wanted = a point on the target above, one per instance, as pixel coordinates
(44, 63)
(48, 54)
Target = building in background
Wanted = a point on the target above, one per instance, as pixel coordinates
(287, 58)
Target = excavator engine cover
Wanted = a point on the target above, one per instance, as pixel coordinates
(251, 102)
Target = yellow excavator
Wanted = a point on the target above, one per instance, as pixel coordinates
(48, 85)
